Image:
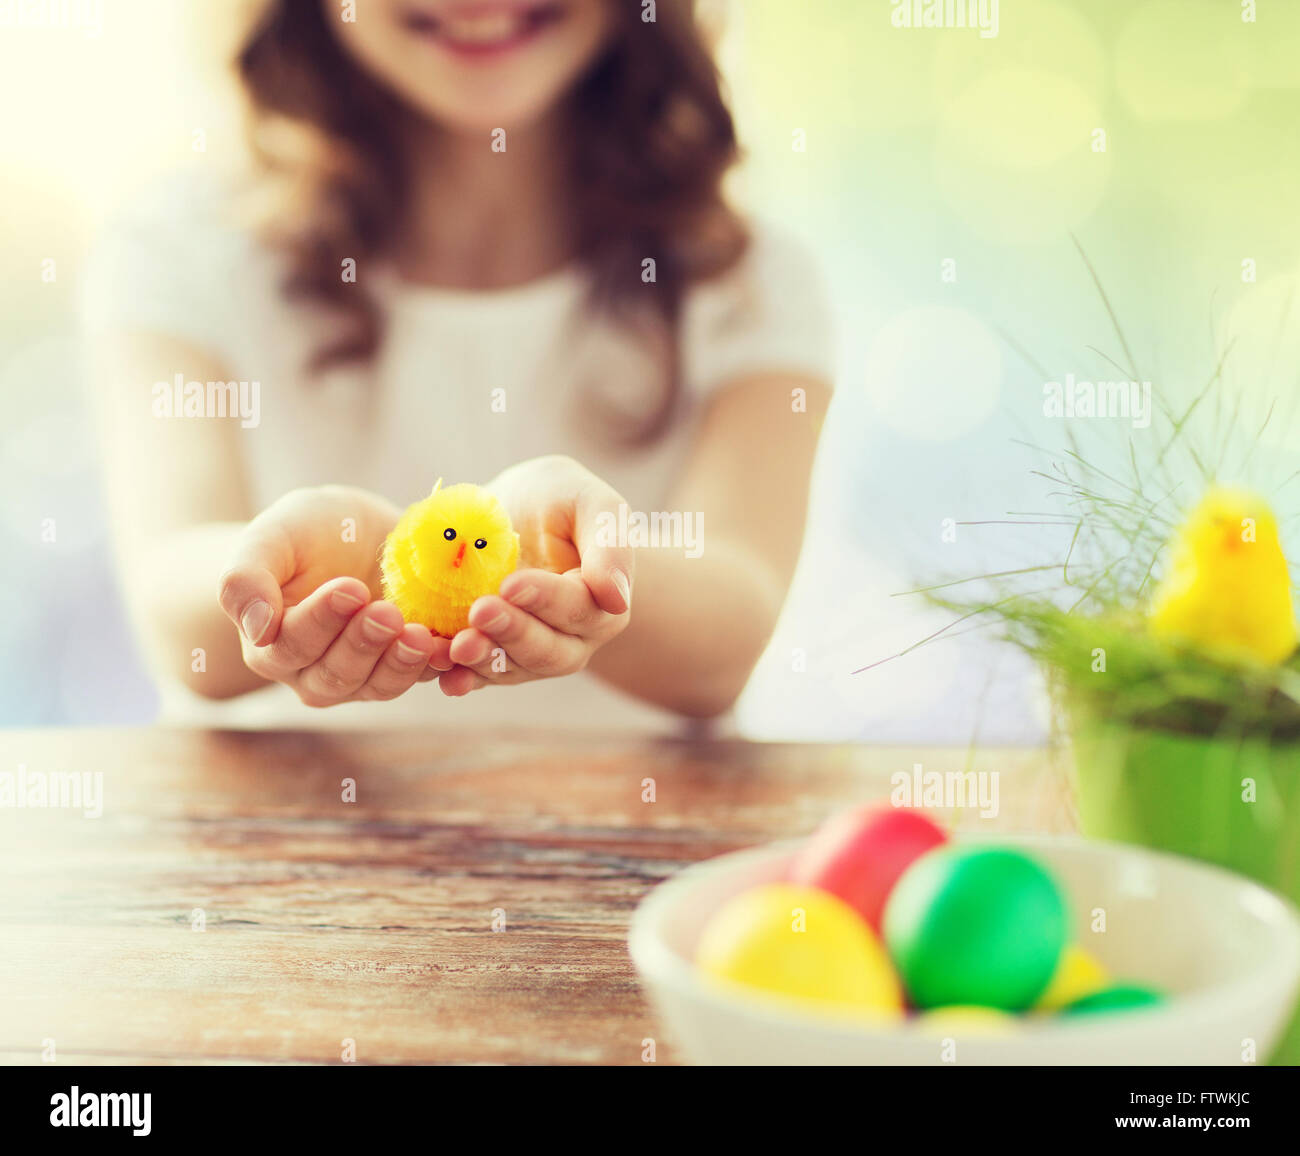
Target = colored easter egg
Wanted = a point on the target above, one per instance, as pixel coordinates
(1077, 975)
(802, 943)
(860, 854)
(1117, 997)
(966, 1020)
(975, 925)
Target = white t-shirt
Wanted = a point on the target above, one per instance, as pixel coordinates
(465, 384)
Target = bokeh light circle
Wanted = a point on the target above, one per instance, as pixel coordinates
(934, 373)
(1019, 44)
(1182, 60)
(1263, 367)
(1015, 156)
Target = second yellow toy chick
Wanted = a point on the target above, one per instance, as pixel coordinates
(445, 551)
(1228, 590)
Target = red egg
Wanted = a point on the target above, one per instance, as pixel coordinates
(858, 855)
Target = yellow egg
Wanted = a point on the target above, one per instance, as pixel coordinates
(1077, 975)
(966, 1020)
(801, 943)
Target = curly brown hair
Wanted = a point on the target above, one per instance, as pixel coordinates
(652, 140)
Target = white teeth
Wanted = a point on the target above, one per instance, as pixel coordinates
(484, 29)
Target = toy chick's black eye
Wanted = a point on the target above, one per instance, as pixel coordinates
(449, 534)
(480, 542)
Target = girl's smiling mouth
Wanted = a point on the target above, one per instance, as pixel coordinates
(484, 30)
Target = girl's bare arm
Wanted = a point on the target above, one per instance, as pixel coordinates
(701, 623)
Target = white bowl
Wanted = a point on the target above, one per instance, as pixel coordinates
(1226, 950)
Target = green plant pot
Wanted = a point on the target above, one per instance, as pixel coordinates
(1187, 794)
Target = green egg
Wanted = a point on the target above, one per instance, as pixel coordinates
(1117, 997)
(975, 925)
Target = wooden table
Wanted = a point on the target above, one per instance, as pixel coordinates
(372, 921)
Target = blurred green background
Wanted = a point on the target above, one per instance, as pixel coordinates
(942, 180)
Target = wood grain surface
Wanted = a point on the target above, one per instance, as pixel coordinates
(372, 921)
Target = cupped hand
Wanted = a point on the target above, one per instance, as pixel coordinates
(303, 590)
(574, 594)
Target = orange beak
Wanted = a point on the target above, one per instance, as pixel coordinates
(460, 556)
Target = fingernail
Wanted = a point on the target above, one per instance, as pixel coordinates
(408, 653)
(471, 655)
(624, 586)
(525, 597)
(499, 623)
(376, 631)
(344, 603)
(256, 618)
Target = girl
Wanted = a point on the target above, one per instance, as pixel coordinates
(484, 241)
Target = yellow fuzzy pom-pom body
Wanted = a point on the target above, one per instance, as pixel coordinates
(1228, 590)
(452, 547)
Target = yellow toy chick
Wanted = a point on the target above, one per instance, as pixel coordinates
(1228, 589)
(445, 551)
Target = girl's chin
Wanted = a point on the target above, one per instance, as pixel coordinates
(468, 115)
